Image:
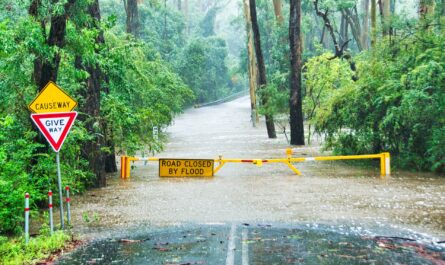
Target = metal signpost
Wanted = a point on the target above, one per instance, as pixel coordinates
(53, 115)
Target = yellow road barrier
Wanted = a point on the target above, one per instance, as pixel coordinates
(385, 166)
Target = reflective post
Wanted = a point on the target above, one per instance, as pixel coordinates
(68, 209)
(27, 218)
(50, 205)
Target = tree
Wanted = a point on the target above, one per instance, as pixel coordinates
(277, 5)
(262, 82)
(373, 22)
(295, 100)
(47, 70)
(365, 29)
(131, 8)
(252, 70)
(92, 150)
(385, 9)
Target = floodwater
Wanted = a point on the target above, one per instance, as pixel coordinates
(329, 194)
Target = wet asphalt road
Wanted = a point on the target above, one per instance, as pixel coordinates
(331, 194)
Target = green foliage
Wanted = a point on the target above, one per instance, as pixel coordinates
(202, 67)
(397, 105)
(144, 92)
(15, 251)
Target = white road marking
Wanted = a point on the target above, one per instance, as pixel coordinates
(231, 246)
(245, 248)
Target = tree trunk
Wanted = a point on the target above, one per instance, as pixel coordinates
(131, 8)
(386, 16)
(252, 64)
(186, 16)
(373, 23)
(443, 8)
(50, 69)
(38, 62)
(344, 32)
(365, 28)
(179, 5)
(278, 6)
(295, 101)
(426, 8)
(109, 157)
(351, 17)
(90, 110)
(261, 67)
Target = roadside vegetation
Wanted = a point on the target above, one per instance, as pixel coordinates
(372, 76)
(39, 248)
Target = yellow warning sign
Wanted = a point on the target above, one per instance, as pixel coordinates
(185, 167)
(52, 99)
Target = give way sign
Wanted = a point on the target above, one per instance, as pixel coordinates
(55, 126)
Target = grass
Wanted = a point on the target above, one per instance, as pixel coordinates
(15, 251)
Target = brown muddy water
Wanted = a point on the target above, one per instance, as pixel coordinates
(328, 193)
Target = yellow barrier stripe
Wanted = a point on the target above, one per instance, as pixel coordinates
(352, 157)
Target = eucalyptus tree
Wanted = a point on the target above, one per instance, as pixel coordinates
(262, 79)
(295, 98)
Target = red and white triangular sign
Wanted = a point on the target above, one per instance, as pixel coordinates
(55, 126)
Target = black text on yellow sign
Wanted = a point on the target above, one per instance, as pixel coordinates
(185, 167)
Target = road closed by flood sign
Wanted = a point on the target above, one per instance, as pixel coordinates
(185, 167)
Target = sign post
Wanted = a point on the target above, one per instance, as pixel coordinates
(53, 115)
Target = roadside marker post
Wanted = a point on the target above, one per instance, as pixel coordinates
(68, 209)
(26, 218)
(50, 206)
(53, 115)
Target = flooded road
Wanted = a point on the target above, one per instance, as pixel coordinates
(333, 194)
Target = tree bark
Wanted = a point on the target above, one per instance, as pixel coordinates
(38, 62)
(295, 101)
(373, 23)
(253, 75)
(50, 69)
(278, 6)
(131, 8)
(261, 67)
(365, 28)
(351, 17)
(386, 16)
(90, 110)
(343, 31)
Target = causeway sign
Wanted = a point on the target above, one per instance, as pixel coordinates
(52, 99)
(186, 167)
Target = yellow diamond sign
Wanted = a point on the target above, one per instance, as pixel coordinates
(52, 99)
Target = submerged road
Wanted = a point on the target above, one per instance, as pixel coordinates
(333, 195)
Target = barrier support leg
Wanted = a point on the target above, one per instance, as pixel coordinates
(382, 165)
(128, 168)
(123, 164)
(387, 164)
(221, 164)
(294, 169)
